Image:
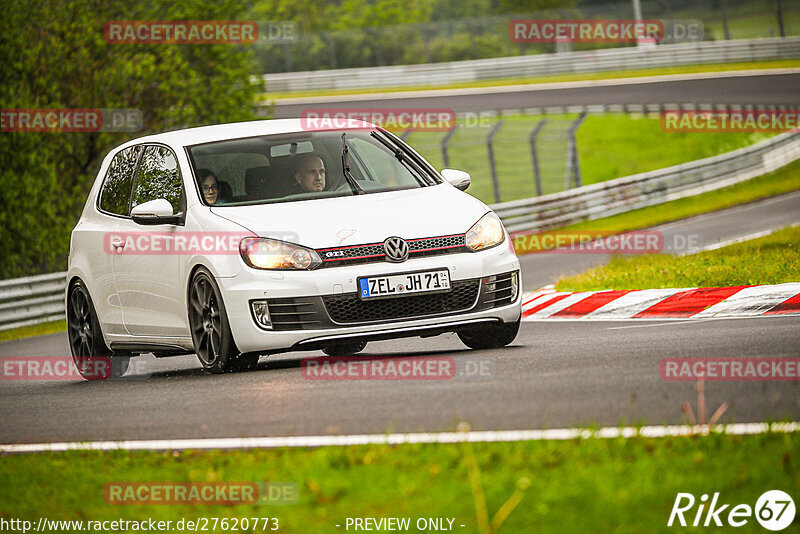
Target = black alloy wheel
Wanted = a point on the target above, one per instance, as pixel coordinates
(89, 350)
(211, 332)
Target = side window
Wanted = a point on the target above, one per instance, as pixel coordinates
(158, 177)
(116, 192)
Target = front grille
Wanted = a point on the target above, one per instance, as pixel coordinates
(349, 308)
(373, 252)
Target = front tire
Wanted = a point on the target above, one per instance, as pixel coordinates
(345, 349)
(86, 343)
(490, 337)
(208, 322)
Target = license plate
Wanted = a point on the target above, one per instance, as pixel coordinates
(404, 284)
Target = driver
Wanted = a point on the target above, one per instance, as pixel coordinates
(309, 173)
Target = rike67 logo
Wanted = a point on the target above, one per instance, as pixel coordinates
(774, 510)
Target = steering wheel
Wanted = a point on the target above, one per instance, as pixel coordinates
(344, 186)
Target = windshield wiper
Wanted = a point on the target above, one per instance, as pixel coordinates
(346, 167)
(408, 162)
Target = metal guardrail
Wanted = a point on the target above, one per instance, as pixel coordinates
(668, 55)
(38, 299)
(32, 300)
(649, 188)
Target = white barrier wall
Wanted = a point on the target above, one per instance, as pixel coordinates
(538, 65)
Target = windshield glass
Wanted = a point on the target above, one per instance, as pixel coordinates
(305, 165)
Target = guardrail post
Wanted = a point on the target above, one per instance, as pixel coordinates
(492, 164)
(725, 20)
(445, 141)
(536, 174)
(573, 175)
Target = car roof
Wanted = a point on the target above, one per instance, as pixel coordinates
(234, 130)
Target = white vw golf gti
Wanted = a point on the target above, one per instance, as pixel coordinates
(240, 240)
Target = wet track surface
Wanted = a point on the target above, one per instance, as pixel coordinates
(556, 374)
(749, 89)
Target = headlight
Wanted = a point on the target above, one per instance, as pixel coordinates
(262, 253)
(485, 233)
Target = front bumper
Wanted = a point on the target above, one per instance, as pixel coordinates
(329, 294)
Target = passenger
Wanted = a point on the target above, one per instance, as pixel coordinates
(209, 185)
(309, 173)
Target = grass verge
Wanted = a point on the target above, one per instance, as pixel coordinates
(773, 259)
(593, 485)
(607, 75)
(34, 330)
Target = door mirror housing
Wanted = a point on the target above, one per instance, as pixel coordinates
(158, 211)
(458, 179)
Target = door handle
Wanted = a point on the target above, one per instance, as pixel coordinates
(118, 244)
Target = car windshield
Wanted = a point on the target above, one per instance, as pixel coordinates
(305, 165)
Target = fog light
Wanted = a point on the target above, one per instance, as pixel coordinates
(261, 313)
(514, 285)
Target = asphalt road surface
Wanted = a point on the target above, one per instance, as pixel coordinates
(556, 374)
(720, 89)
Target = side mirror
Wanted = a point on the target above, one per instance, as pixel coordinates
(458, 179)
(158, 211)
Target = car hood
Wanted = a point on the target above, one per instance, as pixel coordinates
(370, 218)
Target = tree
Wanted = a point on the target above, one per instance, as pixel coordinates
(57, 57)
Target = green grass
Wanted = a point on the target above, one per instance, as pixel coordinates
(591, 485)
(606, 75)
(756, 25)
(612, 146)
(34, 330)
(774, 259)
(609, 146)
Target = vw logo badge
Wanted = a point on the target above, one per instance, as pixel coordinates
(396, 249)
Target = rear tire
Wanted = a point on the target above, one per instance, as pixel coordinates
(490, 337)
(345, 349)
(208, 322)
(86, 343)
